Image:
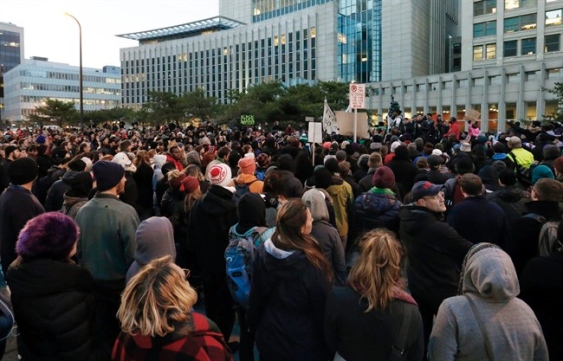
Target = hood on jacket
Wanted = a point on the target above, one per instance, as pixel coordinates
(376, 204)
(218, 200)
(415, 218)
(155, 239)
(251, 212)
(315, 201)
(489, 272)
(282, 263)
(80, 185)
(68, 177)
(244, 178)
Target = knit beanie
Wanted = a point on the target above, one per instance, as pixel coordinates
(23, 171)
(107, 174)
(190, 184)
(383, 177)
(40, 139)
(219, 174)
(247, 165)
(541, 171)
(558, 164)
(50, 235)
(77, 165)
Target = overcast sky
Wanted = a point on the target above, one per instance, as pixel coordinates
(48, 33)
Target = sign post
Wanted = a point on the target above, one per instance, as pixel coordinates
(357, 101)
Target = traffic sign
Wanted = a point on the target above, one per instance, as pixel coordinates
(357, 96)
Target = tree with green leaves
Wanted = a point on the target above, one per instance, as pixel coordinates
(163, 107)
(558, 91)
(196, 104)
(55, 111)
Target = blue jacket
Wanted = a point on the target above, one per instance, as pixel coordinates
(377, 210)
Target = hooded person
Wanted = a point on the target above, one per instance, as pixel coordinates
(55, 195)
(487, 321)
(77, 195)
(326, 235)
(155, 239)
(130, 194)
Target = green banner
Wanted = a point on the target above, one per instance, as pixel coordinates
(247, 119)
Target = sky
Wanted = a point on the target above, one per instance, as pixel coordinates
(49, 33)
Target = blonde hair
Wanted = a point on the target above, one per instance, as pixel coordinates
(378, 271)
(174, 174)
(156, 299)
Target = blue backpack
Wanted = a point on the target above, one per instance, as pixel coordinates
(239, 258)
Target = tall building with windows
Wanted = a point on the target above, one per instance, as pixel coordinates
(295, 41)
(11, 54)
(29, 84)
(511, 54)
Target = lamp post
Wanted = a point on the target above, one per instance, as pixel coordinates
(81, 84)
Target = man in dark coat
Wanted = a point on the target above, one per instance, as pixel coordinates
(511, 198)
(476, 218)
(403, 169)
(209, 224)
(522, 241)
(17, 206)
(435, 251)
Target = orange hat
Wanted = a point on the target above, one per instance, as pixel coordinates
(247, 165)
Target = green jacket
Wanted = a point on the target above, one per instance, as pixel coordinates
(107, 237)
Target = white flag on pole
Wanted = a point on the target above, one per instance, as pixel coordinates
(329, 120)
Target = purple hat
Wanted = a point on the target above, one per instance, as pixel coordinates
(50, 235)
(424, 189)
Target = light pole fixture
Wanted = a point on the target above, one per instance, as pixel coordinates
(81, 82)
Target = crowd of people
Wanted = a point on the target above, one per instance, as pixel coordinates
(424, 241)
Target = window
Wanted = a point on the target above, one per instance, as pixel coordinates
(515, 4)
(553, 18)
(510, 48)
(552, 43)
(528, 46)
(484, 7)
(485, 29)
(518, 23)
(478, 53)
(491, 51)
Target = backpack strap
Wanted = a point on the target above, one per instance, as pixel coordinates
(536, 217)
(488, 346)
(399, 347)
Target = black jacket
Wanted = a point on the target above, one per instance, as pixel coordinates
(435, 252)
(54, 308)
(286, 307)
(512, 200)
(17, 206)
(209, 223)
(361, 336)
(523, 239)
(55, 195)
(405, 172)
(542, 289)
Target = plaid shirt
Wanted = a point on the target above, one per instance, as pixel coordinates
(198, 340)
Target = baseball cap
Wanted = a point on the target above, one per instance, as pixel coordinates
(424, 189)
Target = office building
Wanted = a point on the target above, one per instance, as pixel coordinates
(295, 41)
(11, 54)
(29, 84)
(511, 54)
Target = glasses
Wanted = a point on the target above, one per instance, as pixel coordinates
(187, 273)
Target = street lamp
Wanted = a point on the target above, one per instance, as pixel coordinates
(81, 85)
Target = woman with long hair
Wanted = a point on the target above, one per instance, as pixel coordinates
(290, 284)
(157, 321)
(363, 321)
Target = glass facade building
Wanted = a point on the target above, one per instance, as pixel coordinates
(11, 54)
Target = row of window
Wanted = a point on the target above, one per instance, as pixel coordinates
(490, 6)
(36, 73)
(517, 23)
(68, 88)
(527, 47)
(40, 99)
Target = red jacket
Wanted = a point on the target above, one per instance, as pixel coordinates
(454, 129)
(197, 340)
(177, 164)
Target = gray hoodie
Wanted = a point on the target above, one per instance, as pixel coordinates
(490, 280)
(155, 239)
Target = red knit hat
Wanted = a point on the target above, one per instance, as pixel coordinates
(190, 184)
(383, 177)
